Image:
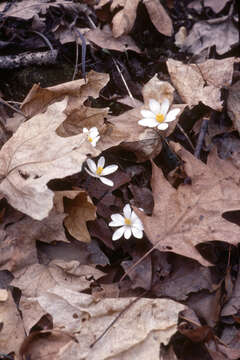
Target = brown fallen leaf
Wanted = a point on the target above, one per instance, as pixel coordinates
(219, 32)
(159, 17)
(77, 91)
(124, 20)
(139, 332)
(105, 39)
(79, 209)
(233, 106)
(215, 5)
(191, 214)
(12, 331)
(201, 82)
(34, 155)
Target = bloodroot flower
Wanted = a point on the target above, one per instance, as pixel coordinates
(158, 115)
(92, 134)
(99, 172)
(130, 224)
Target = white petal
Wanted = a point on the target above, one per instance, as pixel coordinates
(92, 166)
(109, 170)
(91, 173)
(137, 233)
(163, 126)
(127, 232)
(106, 181)
(95, 140)
(172, 115)
(117, 220)
(118, 233)
(127, 211)
(94, 131)
(138, 224)
(164, 106)
(101, 162)
(148, 122)
(85, 130)
(154, 106)
(147, 114)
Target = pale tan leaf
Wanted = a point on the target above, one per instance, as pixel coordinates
(79, 209)
(12, 331)
(77, 91)
(139, 332)
(192, 214)
(124, 20)
(159, 17)
(105, 39)
(36, 154)
(201, 82)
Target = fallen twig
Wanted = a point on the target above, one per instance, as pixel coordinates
(201, 137)
(28, 58)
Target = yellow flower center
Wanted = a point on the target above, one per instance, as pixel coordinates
(99, 170)
(160, 118)
(127, 221)
(90, 139)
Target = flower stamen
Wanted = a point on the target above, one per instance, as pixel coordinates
(160, 118)
(127, 221)
(90, 139)
(99, 170)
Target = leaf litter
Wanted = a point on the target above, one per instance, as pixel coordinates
(69, 290)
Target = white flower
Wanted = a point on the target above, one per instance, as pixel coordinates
(158, 115)
(99, 172)
(92, 134)
(130, 224)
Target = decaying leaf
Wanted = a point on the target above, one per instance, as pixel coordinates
(219, 32)
(215, 5)
(159, 17)
(105, 39)
(124, 20)
(79, 209)
(12, 331)
(36, 154)
(156, 322)
(201, 82)
(77, 91)
(233, 105)
(191, 214)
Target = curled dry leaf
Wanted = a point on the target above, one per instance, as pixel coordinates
(159, 17)
(77, 91)
(191, 214)
(36, 154)
(79, 209)
(201, 82)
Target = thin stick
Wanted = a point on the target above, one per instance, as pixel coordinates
(117, 317)
(201, 136)
(186, 136)
(76, 60)
(124, 82)
(12, 107)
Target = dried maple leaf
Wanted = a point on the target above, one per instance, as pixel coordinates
(192, 214)
(36, 154)
(201, 82)
(159, 17)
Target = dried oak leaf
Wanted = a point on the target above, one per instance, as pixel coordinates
(201, 82)
(124, 20)
(147, 324)
(233, 105)
(191, 214)
(215, 5)
(36, 154)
